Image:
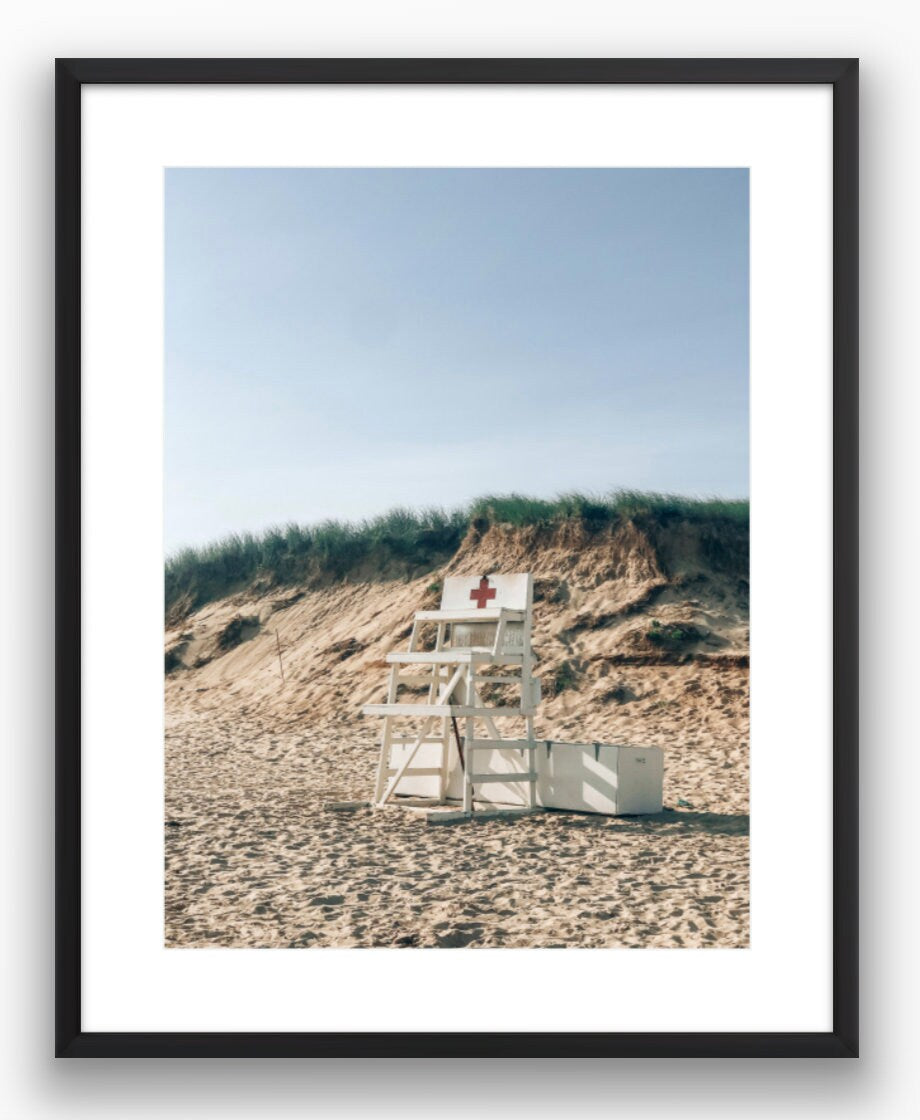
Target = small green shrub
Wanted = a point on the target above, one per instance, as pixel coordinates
(620, 694)
(565, 677)
(673, 635)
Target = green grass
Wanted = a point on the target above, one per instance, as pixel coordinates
(404, 542)
(517, 509)
(672, 636)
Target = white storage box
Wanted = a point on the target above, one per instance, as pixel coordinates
(600, 778)
(582, 777)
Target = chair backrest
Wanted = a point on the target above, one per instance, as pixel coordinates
(475, 593)
(481, 591)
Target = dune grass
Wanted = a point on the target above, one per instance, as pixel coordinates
(405, 540)
(517, 509)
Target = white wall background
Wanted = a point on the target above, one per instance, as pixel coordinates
(881, 1084)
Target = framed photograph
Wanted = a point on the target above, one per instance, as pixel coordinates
(456, 557)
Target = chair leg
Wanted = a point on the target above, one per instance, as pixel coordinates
(531, 765)
(383, 765)
(445, 760)
(468, 769)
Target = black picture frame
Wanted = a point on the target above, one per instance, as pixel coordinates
(70, 76)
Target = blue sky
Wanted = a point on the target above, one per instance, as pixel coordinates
(339, 342)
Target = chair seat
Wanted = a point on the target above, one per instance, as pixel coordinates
(454, 657)
(425, 710)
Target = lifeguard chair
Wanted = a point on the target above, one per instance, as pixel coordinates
(483, 624)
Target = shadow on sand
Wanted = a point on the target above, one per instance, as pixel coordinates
(669, 820)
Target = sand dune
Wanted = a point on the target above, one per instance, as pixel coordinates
(252, 859)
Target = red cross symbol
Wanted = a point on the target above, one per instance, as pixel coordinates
(482, 594)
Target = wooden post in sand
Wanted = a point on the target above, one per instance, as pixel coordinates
(280, 663)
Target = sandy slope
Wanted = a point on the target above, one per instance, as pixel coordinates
(253, 860)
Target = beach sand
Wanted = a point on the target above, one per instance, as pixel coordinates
(252, 858)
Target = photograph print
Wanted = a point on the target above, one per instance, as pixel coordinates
(456, 558)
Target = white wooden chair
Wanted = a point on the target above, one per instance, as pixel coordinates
(484, 621)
